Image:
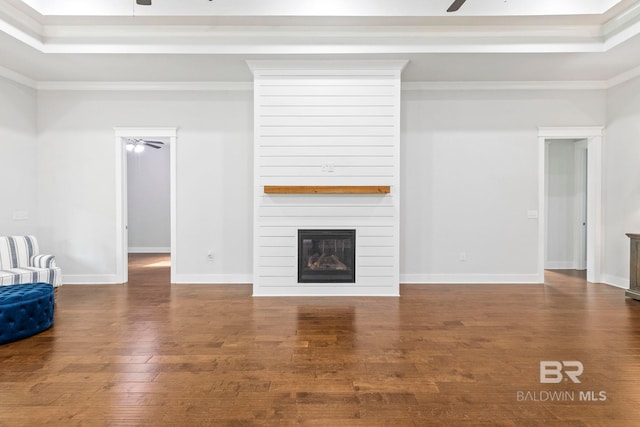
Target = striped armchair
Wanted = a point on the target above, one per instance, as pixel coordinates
(21, 262)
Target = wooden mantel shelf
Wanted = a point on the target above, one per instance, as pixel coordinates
(327, 189)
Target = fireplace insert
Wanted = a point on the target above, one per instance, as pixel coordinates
(326, 256)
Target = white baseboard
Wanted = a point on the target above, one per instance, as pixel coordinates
(618, 282)
(560, 265)
(90, 279)
(149, 250)
(470, 279)
(110, 279)
(217, 279)
(275, 291)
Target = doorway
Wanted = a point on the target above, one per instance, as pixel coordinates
(566, 202)
(124, 168)
(585, 144)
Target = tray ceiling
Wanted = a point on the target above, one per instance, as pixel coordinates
(195, 41)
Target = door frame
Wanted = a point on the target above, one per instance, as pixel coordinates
(594, 135)
(580, 159)
(122, 250)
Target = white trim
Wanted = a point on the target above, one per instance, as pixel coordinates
(293, 67)
(248, 86)
(616, 281)
(320, 291)
(621, 28)
(469, 279)
(621, 21)
(543, 211)
(144, 86)
(595, 221)
(121, 209)
(90, 279)
(570, 132)
(506, 85)
(139, 132)
(319, 295)
(173, 200)
(230, 86)
(120, 190)
(214, 86)
(580, 149)
(215, 279)
(17, 78)
(594, 137)
(149, 250)
(623, 77)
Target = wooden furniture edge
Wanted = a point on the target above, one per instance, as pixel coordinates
(327, 189)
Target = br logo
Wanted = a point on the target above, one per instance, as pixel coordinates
(554, 372)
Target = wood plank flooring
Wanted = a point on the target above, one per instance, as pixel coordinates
(149, 353)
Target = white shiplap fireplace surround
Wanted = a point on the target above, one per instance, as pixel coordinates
(326, 123)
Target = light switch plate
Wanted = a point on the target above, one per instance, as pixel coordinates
(532, 214)
(20, 215)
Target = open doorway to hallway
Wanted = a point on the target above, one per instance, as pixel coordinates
(593, 138)
(149, 174)
(566, 202)
(148, 197)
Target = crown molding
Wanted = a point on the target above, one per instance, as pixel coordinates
(17, 78)
(624, 77)
(506, 85)
(259, 67)
(248, 86)
(144, 86)
(621, 21)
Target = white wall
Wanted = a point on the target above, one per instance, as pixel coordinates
(214, 183)
(561, 205)
(469, 167)
(468, 174)
(18, 156)
(149, 201)
(622, 179)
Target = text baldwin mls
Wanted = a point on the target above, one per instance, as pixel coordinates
(555, 372)
(561, 396)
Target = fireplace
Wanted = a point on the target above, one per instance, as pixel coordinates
(326, 256)
(326, 177)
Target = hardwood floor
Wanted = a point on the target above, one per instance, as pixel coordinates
(149, 353)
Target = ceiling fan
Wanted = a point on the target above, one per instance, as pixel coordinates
(454, 6)
(137, 145)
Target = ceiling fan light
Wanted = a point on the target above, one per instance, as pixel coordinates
(139, 148)
(129, 146)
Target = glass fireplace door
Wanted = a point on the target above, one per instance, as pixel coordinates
(326, 256)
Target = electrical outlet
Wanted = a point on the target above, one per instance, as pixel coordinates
(328, 167)
(210, 256)
(463, 256)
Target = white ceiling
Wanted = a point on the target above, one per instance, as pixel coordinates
(589, 42)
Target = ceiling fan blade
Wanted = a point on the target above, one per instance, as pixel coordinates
(152, 145)
(455, 5)
(146, 141)
(143, 2)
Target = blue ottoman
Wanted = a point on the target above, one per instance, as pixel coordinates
(25, 310)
